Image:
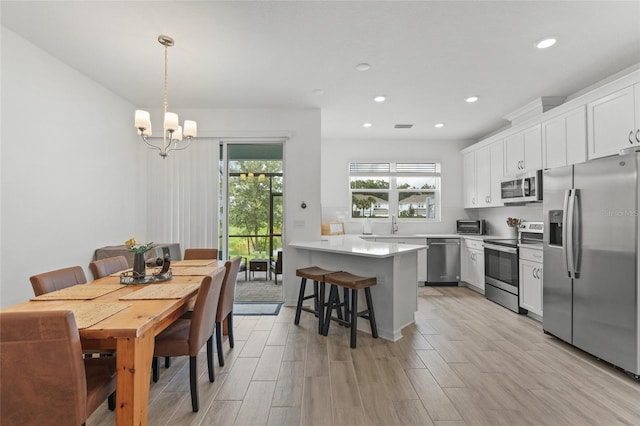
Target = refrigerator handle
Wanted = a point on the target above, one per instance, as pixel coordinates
(565, 226)
(570, 237)
(575, 242)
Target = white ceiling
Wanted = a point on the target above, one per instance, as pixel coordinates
(426, 56)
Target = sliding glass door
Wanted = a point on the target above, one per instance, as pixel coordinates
(252, 215)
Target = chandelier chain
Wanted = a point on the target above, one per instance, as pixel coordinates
(166, 77)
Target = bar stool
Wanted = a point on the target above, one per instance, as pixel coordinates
(354, 283)
(318, 276)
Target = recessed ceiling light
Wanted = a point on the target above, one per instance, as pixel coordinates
(471, 99)
(547, 42)
(439, 125)
(367, 125)
(380, 98)
(318, 92)
(363, 67)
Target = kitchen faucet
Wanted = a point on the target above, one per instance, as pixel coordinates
(394, 224)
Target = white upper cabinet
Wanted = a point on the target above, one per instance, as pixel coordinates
(614, 122)
(497, 172)
(483, 170)
(564, 139)
(470, 182)
(483, 176)
(523, 151)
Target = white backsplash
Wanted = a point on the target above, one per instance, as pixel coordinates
(496, 217)
(405, 226)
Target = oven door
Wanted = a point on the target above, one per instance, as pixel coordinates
(501, 267)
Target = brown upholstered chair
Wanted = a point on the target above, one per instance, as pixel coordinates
(225, 305)
(186, 336)
(275, 267)
(57, 280)
(45, 381)
(200, 253)
(105, 267)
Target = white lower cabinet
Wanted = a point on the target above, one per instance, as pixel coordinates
(473, 263)
(531, 280)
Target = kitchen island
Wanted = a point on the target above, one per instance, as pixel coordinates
(395, 266)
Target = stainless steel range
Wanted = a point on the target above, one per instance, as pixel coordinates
(501, 268)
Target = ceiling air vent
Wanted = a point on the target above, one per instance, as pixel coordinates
(403, 126)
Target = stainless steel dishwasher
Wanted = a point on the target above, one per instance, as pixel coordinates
(443, 261)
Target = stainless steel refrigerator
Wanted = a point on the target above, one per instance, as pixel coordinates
(590, 286)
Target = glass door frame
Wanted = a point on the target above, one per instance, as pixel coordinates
(223, 200)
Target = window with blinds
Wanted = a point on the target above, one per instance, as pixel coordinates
(407, 190)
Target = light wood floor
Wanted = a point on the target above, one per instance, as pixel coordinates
(466, 361)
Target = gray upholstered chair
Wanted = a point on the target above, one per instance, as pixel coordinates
(186, 336)
(105, 267)
(45, 380)
(57, 280)
(225, 305)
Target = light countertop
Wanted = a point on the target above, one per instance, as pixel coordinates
(354, 245)
(407, 236)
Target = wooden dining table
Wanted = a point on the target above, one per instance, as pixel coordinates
(132, 329)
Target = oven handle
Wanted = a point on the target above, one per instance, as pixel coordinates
(512, 250)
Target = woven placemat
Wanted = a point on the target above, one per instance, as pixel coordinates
(162, 291)
(90, 313)
(193, 262)
(80, 292)
(193, 270)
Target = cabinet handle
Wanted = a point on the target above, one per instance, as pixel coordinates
(630, 140)
(638, 135)
(473, 200)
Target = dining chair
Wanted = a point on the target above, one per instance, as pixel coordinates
(105, 267)
(193, 254)
(45, 380)
(200, 253)
(57, 280)
(186, 336)
(225, 305)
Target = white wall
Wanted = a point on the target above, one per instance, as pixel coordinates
(71, 171)
(336, 203)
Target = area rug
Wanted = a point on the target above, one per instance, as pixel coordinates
(256, 308)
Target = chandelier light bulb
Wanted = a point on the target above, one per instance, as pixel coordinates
(170, 121)
(190, 129)
(177, 134)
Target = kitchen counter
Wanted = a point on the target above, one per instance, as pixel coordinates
(354, 245)
(395, 266)
(407, 236)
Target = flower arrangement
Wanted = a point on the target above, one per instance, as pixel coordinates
(513, 222)
(137, 248)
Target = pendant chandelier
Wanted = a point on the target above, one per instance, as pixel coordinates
(173, 133)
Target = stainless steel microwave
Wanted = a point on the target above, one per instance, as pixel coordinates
(477, 227)
(521, 188)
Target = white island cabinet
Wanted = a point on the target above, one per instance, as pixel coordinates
(395, 266)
